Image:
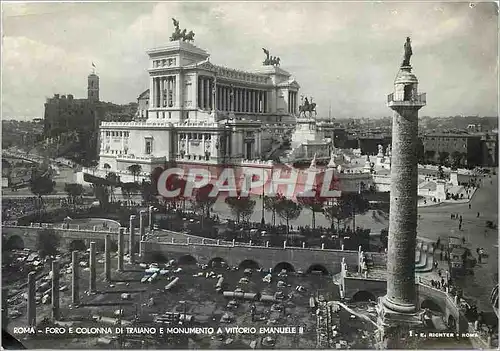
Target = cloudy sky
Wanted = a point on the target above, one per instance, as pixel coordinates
(343, 54)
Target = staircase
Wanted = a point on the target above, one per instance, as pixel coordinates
(424, 257)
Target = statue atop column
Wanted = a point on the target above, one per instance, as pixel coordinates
(181, 35)
(407, 54)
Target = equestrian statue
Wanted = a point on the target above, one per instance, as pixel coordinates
(181, 35)
(270, 61)
(307, 107)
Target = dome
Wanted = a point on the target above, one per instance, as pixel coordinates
(405, 76)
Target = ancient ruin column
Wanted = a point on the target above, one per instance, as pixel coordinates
(107, 257)
(31, 300)
(405, 101)
(120, 249)
(75, 288)
(151, 211)
(131, 240)
(142, 224)
(55, 289)
(92, 266)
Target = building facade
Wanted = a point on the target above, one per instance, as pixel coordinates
(198, 112)
(445, 147)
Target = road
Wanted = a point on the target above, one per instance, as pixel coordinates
(436, 223)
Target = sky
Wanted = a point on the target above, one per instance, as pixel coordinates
(345, 55)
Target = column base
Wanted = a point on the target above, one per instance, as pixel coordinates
(397, 307)
(397, 329)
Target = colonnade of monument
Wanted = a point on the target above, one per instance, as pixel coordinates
(229, 98)
(164, 92)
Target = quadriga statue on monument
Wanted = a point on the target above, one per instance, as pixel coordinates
(181, 35)
(408, 53)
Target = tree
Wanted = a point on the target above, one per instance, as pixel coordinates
(135, 170)
(429, 155)
(203, 202)
(41, 182)
(456, 157)
(443, 157)
(113, 181)
(441, 172)
(271, 205)
(334, 213)
(241, 207)
(354, 203)
(73, 190)
(288, 210)
(47, 242)
(314, 203)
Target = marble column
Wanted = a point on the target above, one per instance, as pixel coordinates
(131, 240)
(92, 266)
(210, 95)
(243, 100)
(142, 224)
(152, 210)
(207, 94)
(252, 100)
(401, 295)
(107, 257)
(75, 282)
(151, 92)
(202, 93)
(120, 249)
(31, 307)
(158, 92)
(162, 89)
(55, 289)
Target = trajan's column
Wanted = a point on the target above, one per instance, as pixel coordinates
(399, 308)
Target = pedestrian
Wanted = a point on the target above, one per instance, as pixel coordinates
(441, 255)
(460, 219)
(469, 204)
(442, 282)
(478, 215)
(439, 273)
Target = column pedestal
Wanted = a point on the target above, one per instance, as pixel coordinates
(397, 330)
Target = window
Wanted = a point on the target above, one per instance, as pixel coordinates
(163, 114)
(148, 146)
(107, 134)
(169, 115)
(121, 134)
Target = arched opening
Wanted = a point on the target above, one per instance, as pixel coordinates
(15, 242)
(249, 264)
(186, 260)
(283, 266)
(159, 257)
(452, 323)
(363, 296)
(431, 305)
(217, 262)
(77, 245)
(317, 269)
